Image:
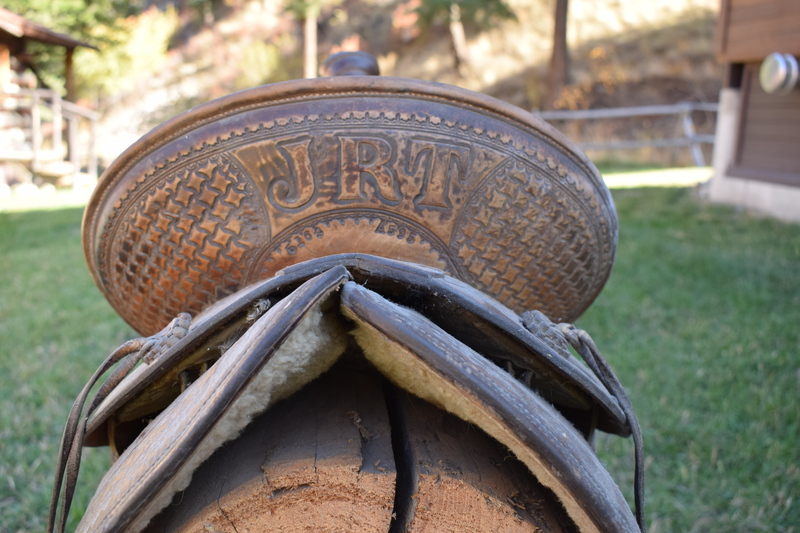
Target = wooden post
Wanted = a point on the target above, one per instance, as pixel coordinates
(36, 132)
(5, 67)
(558, 73)
(72, 142)
(458, 38)
(57, 124)
(70, 83)
(310, 47)
(689, 131)
(92, 157)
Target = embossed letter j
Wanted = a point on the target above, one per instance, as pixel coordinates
(283, 170)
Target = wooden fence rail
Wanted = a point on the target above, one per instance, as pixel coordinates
(683, 110)
(31, 103)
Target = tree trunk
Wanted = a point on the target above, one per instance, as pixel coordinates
(458, 39)
(310, 44)
(558, 74)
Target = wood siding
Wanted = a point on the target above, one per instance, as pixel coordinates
(749, 30)
(768, 146)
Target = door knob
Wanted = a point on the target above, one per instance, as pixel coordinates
(779, 73)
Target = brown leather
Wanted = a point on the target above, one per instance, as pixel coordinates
(293, 183)
(352, 63)
(406, 346)
(234, 190)
(425, 360)
(169, 441)
(463, 312)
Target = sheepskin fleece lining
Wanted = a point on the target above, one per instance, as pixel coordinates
(311, 349)
(406, 371)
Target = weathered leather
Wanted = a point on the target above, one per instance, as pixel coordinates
(425, 360)
(424, 216)
(146, 470)
(457, 340)
(465, 313)
(236, 189)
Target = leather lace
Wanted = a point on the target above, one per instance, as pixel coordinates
(146, 349)
(587, 349)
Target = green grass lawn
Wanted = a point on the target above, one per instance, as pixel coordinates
(55, 328)
(699, 319)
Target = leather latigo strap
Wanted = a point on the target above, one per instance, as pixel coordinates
(412, 301)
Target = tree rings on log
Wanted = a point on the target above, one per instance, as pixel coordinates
(350, 452)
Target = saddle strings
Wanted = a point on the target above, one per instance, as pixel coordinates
(69, 456)
(70, 450)
(587, 349)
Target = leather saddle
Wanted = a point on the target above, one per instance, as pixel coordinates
(255, 239)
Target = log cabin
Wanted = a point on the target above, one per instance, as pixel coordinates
(757, 148)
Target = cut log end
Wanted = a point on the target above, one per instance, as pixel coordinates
(352, 453)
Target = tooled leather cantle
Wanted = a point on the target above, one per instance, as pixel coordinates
(236, 189)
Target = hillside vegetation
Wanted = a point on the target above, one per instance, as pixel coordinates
(623, 52)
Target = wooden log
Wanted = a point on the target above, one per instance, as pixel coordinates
(463, 480)
(339, 457)
(322, 459)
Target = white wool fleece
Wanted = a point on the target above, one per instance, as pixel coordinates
(311, 349)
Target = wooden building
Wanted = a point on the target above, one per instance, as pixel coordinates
(16, 31)
(757, 149)
(29, 136)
